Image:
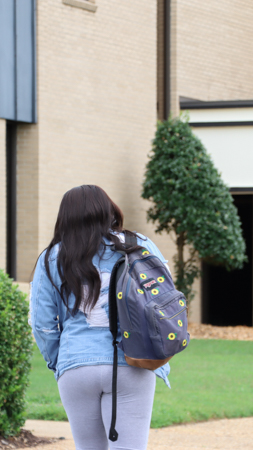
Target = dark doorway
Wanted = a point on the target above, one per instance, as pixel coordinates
(227, 296)
(11, 163)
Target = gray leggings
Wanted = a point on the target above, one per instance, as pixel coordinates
(86, 394)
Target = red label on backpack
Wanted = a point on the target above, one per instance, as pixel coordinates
(149, 284)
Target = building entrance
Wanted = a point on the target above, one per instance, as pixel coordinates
(227, 296)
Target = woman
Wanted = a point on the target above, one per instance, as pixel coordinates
(69, 317)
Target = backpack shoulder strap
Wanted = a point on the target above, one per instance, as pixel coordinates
(113, 435)
(112, 298)
(130, 240)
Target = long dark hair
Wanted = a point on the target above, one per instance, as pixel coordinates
(86, 216)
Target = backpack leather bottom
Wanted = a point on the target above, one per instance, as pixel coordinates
(151, 364)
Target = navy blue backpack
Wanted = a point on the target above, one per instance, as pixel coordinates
(151, 312)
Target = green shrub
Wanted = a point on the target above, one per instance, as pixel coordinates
(15, 355)
(191, 202)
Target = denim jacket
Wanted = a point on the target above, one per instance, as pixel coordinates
(69, 341)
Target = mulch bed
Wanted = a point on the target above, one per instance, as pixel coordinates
(25, 439)
(203, 331)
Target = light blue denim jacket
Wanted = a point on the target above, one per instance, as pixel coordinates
(66, 341)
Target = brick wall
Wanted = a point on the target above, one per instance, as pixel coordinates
(174, 51)
(27, 199)
(96, 116)
(160, 59)
(103, 110)
(97, 102)
(211, 54)
(214, 47)
(2, 195)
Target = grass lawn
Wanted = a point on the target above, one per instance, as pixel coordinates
(210, 379)
(42, 396)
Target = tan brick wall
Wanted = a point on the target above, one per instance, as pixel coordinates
(25, 288)
(96, 106)
(96, 118)
(174, 56)
(2, 194)
(214, 43)
(195, 308)
(27, 200)
(211, 54)
(160, 59)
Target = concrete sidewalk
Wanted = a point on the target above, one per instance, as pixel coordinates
(225, 434)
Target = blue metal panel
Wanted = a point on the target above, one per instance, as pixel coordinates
(17, 60)
(25, 57)
(7, 60)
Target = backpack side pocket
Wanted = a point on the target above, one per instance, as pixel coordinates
(167, 323)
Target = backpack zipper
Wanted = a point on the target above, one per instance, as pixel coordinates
(140, 260)
(175, 315)
(127, 290)
(129, 282)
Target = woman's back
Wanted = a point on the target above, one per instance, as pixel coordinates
(70, 321)
(85, 337)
